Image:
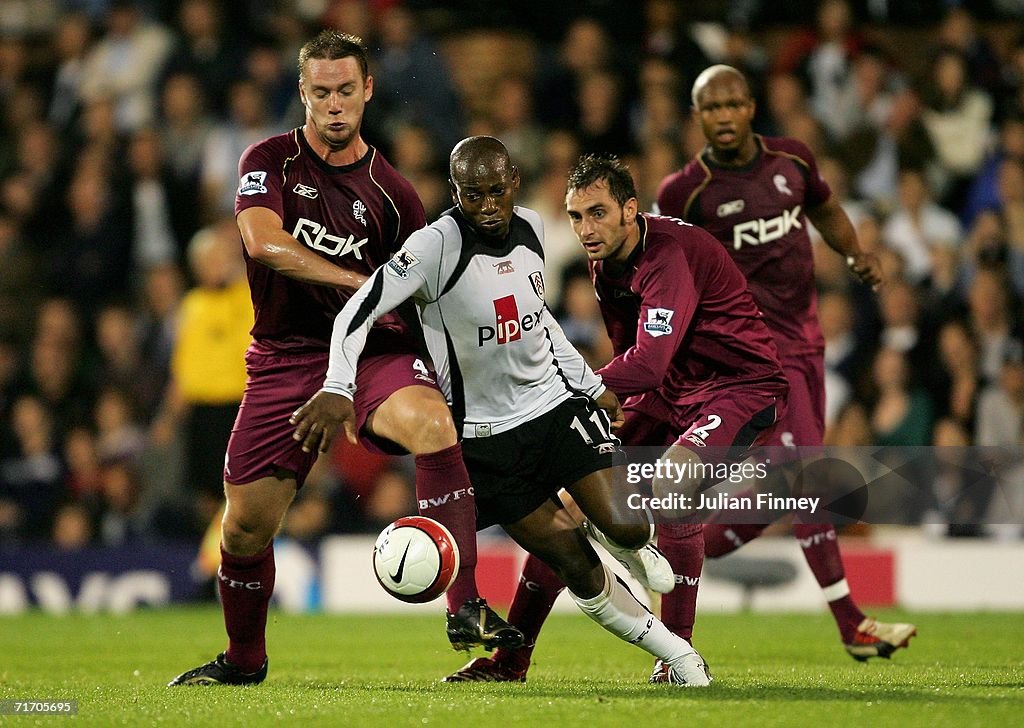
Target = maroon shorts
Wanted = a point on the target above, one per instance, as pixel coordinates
(803, 422)
(731, 418)
(278, 384)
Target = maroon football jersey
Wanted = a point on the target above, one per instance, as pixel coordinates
(757, 212)
(356, 216)
(681, 318)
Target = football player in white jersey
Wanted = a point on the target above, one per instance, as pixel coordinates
(533, 416)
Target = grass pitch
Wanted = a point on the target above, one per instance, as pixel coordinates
(784, 670)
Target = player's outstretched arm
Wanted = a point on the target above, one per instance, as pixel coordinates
(267, 243)
(835, 227)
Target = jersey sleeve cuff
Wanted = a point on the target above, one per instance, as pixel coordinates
(348, 392)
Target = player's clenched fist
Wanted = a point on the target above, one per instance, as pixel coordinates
(317, 421)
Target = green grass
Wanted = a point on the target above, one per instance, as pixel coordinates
(963, 670)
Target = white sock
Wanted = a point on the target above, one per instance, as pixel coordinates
(839, 590)
(618, 611)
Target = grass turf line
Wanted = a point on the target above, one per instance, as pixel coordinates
(964, 670)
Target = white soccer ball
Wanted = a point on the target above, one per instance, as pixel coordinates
(415, 559)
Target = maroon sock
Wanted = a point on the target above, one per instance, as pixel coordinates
(246, 583)
(720, 539)
(683, 546)
(445, 494)
(821, 549)
(538, 589)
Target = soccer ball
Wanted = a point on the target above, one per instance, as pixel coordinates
(415, 559)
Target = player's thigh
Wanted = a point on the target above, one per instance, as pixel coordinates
(397, 404)
(803, 420)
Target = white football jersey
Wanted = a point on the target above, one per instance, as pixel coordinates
(500, 355)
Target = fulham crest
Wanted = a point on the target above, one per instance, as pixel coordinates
(537, 281)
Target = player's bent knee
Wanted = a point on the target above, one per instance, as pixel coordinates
(246, 536)
(429, 428)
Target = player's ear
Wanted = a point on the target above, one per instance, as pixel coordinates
(515, 177)
(453, 190)
(368, 89)
(629, 210)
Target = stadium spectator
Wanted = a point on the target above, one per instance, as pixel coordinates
(902, 412)
(667, 36)
(184, 128)
(824, 58)
(513, 121)
(983, 193)
(957, 117)
(125, 64)
(955, 383)
(579, 316)
(415, 85)
(585, 47)
(270, 69)
(416, 158)
(163, 208)
(992, 319)
(958, 31)
(918, 226)
(843, 352)
(72, 527)
(204, 49)
(335, 182)
(71, 40)
(122, 361)
(603, 126)
(83, 476)
(53, 370)
(31, 486)
(1000, 418)
(119, 432)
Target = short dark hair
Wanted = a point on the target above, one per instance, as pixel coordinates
(594, 168)
(331, 45)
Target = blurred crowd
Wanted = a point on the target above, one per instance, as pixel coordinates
(123, 305)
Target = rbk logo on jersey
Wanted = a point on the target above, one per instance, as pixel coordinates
(316, 236)
(507, 324)
(305, 191)
(658, 321)
(731, 208)
(252, 183)
(765, 230)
